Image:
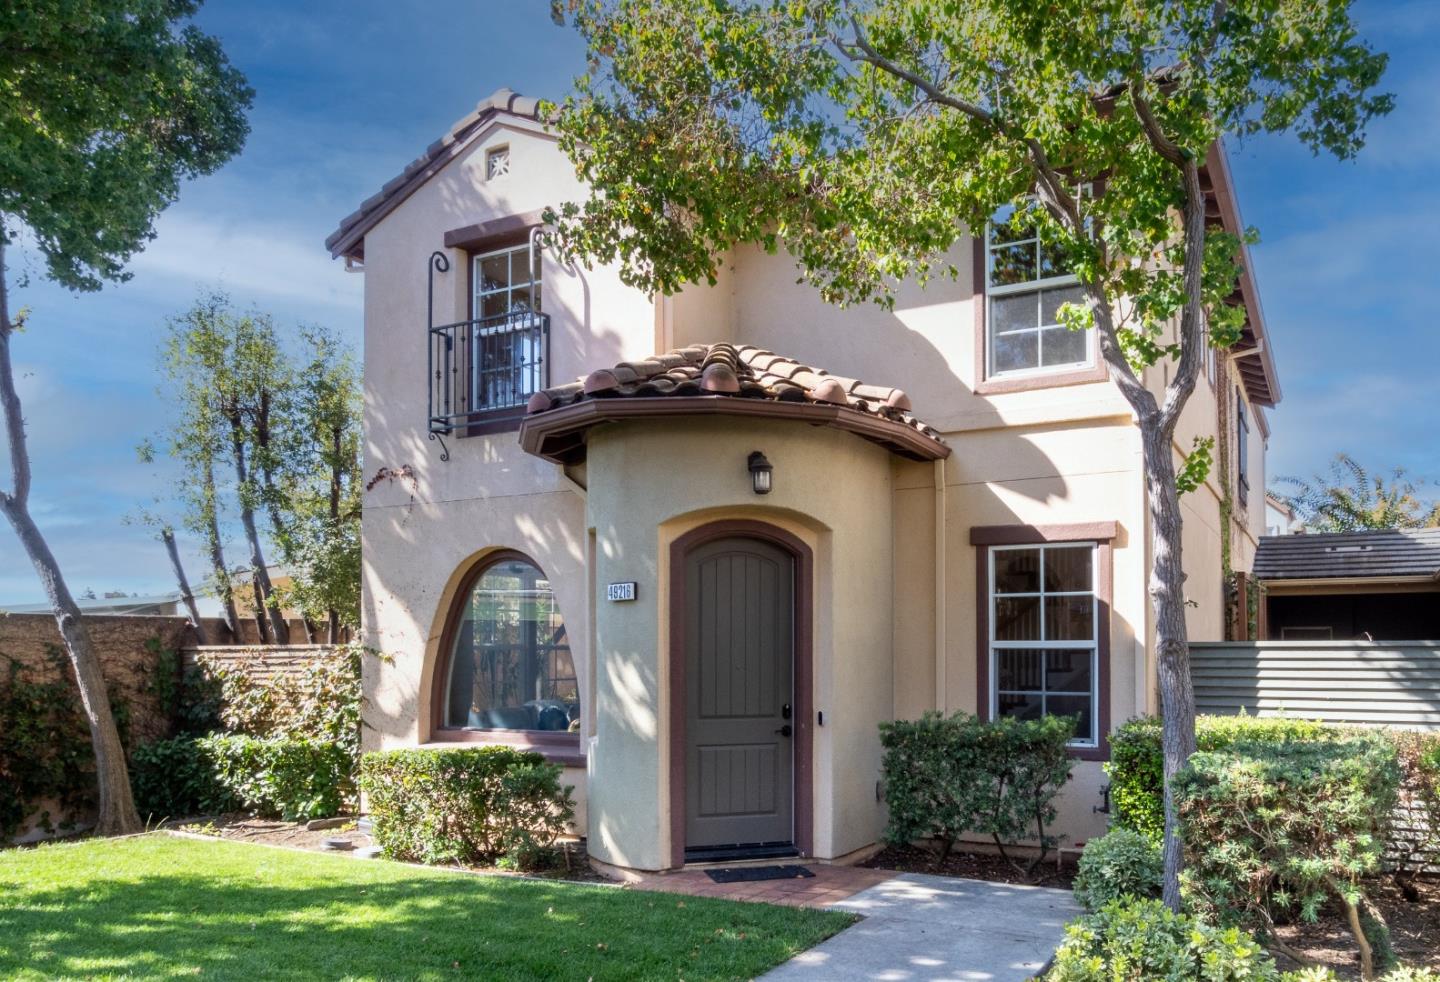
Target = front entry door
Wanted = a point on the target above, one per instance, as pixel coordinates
(739, 681)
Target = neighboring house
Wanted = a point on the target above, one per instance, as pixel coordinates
(159, 605)
(1280, 517)
(1380, 585)
(646, 537)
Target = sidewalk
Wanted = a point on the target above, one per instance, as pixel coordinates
(936, 929)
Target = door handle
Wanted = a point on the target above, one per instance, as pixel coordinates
(784, 730)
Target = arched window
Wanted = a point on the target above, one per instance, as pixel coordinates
(509, 662)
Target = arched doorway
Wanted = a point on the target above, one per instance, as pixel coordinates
(740, 693)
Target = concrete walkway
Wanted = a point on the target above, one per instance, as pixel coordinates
(939, 929)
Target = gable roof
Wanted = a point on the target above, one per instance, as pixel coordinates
(349, 239)
(1379, 554)
(1252, 356)
(724, 379)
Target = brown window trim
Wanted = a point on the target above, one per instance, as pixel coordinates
(986, 386)
(557, 747)
(982, 537)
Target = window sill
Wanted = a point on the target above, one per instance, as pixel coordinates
(562, 748)
(1042, 380)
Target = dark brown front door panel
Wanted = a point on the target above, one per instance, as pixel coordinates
(740, 659)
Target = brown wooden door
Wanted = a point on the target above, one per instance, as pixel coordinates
(739, 680)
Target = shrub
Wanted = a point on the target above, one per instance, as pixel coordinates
(466, 804)
(1137, 766)
(1415, 837)
(945, 776)
(1119, 864)
(1144, 939)
(177, 778)
(1404, 973)
(45, 750)
(294, 778)
(1282, 827)
(321, 703)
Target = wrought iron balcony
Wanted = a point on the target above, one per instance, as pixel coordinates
(486, 366)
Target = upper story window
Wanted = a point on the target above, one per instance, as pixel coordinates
(1026, 283)
(1044, 641)
(506, 334)
(1242, 447)
(497, 162)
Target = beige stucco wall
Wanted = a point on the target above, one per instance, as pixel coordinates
(652, 482)
(896, 627)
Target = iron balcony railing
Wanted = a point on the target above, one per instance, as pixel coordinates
(486, 365)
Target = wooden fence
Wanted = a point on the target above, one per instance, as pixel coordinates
(268, 661)
(1372, 683)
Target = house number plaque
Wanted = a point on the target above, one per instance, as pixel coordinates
(615, 592)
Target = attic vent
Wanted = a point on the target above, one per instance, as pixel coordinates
(1348, 548)
(497, 162)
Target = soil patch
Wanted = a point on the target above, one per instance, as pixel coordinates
(973, 866)
(1414, 931)
(568, 863)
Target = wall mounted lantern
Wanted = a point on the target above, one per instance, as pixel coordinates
(760, 469)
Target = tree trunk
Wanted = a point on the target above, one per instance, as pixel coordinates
(337, 436)
(1172, 648)
(116, 807)
(218, 568)
(263, 589)
(186, 597)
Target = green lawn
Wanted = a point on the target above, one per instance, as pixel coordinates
(158, 906)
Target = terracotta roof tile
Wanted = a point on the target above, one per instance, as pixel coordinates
(740, 371)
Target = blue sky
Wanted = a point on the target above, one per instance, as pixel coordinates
(349, 92)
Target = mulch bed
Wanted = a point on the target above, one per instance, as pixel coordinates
(973, 866)
(1414, 931)
(294, 835)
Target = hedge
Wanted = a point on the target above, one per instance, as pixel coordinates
(293, 778)
(1276, 829)
(948, 775)
(178, 778)
(466, 804)
(1137, 764)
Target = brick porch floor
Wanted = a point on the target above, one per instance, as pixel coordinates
(829, 885)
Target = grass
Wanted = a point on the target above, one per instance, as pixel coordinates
(159, 906)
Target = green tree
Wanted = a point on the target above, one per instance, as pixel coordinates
(319, 493)
(1353, 498)
(226, 373)
(868, 137)
(105, 107)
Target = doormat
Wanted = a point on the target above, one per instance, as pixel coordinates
(744, 874)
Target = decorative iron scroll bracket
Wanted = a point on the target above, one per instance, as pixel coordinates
(437, 263)
(444, 450)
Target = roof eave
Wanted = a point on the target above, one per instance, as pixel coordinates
(558, 434)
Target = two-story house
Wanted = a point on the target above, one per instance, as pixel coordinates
(652, 538)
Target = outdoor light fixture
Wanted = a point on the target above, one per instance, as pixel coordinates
(760, 469)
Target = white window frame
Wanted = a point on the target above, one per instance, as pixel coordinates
(1093, 645)
(509, 290)
(1242, 448)
(1029, 286)
(479, 293)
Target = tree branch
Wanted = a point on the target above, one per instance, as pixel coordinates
(1192, 315)
(860, 49)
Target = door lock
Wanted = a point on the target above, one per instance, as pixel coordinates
(785, 711)
(784, 730)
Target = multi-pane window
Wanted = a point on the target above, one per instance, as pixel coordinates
(1044, 624)
(506, 338)
(1027, 282)
(510, 663)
